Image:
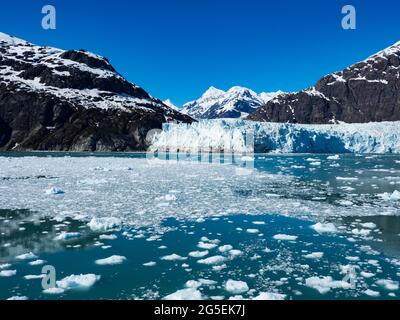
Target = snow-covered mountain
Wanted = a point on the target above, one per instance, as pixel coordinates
(52, 99)
(368, 91)
(170, 104)
(237, 102)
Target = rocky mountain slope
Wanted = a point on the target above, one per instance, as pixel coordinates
(237, 102)
(52, 99)
(368, 91)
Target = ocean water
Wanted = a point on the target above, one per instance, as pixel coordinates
(281, 226)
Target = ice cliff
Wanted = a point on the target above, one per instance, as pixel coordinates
(239, 136)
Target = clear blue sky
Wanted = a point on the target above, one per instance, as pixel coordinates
(178, 48)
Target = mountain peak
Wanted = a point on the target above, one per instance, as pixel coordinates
(10, 40)
(212, 92)
(393, 49)
(366, 91)
(237, 102)
(170, 104)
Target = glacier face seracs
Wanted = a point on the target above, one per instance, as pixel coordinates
(233, 136)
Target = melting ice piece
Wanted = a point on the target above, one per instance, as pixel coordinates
(236, 287)
(78, 282)
(113, 260)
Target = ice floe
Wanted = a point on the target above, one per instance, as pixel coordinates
(285, 237)
(78, 282)
(213, 260)
(325, 284)
(173, 257)
(26, 256)
(8, 273)
(113, 260)
(324, 227)
(236, 287)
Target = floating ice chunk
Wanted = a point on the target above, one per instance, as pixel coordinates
(219, 267)
(198, 254)
(34, 276)
(388, 284)
(103, 224)
(113, 260)
(260, 223)
(372, 293)
(26, 256)
(37, 262)
(207, 282)
(4, 266)
(367, 274)
(206, 246)
(253, 231)
(346, 203)
(213, 260)
(325, 284)
(173, 257)
(267, 250)
(167, 197)
(236, 287)
(314, 255)
(361, 232)
(395, 196)
(236, 298)
(368, 225)
(54, 191)
(335, 157)
(285, 237)
(352, 259)
(217, 298)
(324, 227)
(78, 282)
(54, 290)
(17, 298)
(185, 294)
(347, 178)
(64, 236)
(270, 296)
(193, 284)
(235, 252)
(150, 264)
(225, 248)
(8, 273)
(108, 237)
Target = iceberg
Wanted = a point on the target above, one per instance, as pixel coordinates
(241, 136)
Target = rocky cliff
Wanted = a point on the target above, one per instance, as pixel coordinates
(368, 91)
(51, 99)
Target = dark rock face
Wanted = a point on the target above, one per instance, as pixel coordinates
(368, 91)
(58, 100)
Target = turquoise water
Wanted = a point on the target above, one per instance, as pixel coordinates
(368, 244)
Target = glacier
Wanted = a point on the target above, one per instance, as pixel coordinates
(241, 136)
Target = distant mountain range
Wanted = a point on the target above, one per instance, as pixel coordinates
(52, 99)
(237, 102)
(368, 91)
